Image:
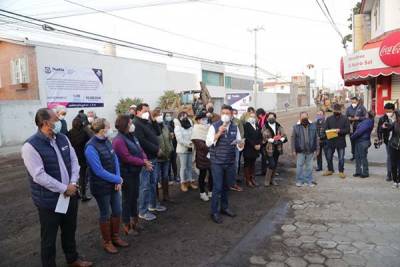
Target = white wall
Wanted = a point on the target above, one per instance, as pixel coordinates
(181, 81)
(389, 17)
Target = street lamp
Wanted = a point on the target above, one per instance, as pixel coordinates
(255, 84)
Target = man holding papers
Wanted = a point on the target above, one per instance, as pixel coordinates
(53, 171)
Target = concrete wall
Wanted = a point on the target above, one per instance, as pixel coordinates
(389, 17)
(181, 81)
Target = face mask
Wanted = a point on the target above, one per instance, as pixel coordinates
(337, 113)
(168, 118)
(159, 119)
(61, 117)
(236, 116)
(132, 128)
(225, 118)
(57, 127)
(204, 121)
(271, 120)
(305, 121)
(319, 117)
(389, 114)
(211, 110)
(251, 120)
(90, 119)
(145, 116)
(108, 133)
(354, 105)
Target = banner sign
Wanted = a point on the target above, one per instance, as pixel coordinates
(73, 87)
(239, 101)
(363, 60)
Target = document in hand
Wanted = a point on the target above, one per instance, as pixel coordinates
(62, 204)
(237, 142)
(330, 134)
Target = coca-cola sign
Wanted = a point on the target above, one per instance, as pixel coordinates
(389, 51)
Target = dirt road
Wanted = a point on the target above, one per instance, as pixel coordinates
(182, 236)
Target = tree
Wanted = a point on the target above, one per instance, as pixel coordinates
(124, 103)
(169, 100)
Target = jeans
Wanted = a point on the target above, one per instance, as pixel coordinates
(202, 182)
(105, 201)
(329, 158)
(263, 160)
(49, 224)
(222, 174)
(185, 172)
(361, 152)
(147, 188)
(395, 157)
(130, 195)
(163, 171)
(273, 160)
(353, 147)
(304, 168)
(388, 162)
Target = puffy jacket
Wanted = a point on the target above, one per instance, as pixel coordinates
(165, 141)
(183, 137)
(363, 131)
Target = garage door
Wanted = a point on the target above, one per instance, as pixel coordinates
(396, 87)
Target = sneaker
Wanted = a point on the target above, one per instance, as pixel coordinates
(158, 208)
(327, 173)
(356, 175)
(204, 197)
(342, 175)
(171, 183)
(209, 194)
(311, 184)
(148, 216)
(159, 185)
(398, 185)
(395, 185)
(193, 185)
(298, 184)
(184, 187)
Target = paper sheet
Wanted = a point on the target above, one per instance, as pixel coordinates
(62, 204)
(237, 142)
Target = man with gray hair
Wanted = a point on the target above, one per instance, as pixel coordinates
(61, 112)
(304, 144)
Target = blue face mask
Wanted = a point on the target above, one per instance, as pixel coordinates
(57, 127)
(319, 117)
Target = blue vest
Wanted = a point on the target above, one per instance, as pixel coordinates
(134, 148)
(299, 144)
(223, 152)
(42, 197)
(99, 186)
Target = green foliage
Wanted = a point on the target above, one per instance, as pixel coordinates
(169, 100)
(124, 103)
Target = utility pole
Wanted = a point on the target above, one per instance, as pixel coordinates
(255, 84)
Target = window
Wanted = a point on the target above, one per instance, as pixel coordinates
(377, 14)
(228, 82)
(213, 78)
(19, 70)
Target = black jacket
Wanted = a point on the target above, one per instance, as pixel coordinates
(64, 127)
(146, 133)
(337, 122)
(78, 139)
(383, 133)
(252, 137)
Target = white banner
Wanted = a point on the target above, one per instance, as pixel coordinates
(73, 87)
(363, 60)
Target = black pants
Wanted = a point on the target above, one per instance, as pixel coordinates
(353, 147)
(130, 195)
(395, 159)
(263, 160)
(49, 224)
(83, 178)
(319, 157)
(202, 182)
(174, 166)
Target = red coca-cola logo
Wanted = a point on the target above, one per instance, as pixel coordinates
(390, 50)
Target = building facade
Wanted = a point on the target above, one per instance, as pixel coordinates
(375, 62)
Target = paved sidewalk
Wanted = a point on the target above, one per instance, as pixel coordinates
(350, 222)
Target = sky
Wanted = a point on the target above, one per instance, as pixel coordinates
(295, 34)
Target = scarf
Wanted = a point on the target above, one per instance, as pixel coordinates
(200, 132)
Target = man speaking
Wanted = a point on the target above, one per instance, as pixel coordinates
(223, 137)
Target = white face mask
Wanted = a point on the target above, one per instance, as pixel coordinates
(108, 133)
(145, 116)
(236, 116)
(389, 114)
(90, 119)
(159, 119)
(204, 121)
(225, 118)
(251, 120)
(354, 105)
(132, 128)
(168, 118)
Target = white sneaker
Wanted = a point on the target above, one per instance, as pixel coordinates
(209, 194)
(398, 185)
(395, 185)
(298, 184)
(204, 197)
(311, 185)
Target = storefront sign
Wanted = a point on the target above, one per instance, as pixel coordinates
(73, 87)
(363, 60)
(390, 50)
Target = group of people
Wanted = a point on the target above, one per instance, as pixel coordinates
(129, 172)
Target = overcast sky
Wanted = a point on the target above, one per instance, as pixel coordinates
(296, 31)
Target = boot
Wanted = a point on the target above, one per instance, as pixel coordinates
(127, 228)
(116, 240)
(273, 181)
(268, 177)
(252, 176)
(184, 187)
(247, 177)
(108, 246)
(135, 225)
(165, 189)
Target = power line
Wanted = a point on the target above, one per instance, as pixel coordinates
(102, 38)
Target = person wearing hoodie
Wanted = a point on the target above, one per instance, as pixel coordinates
(166, 147)
(203, 163)
(362, 140)
(183, 134)
(305, 143)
